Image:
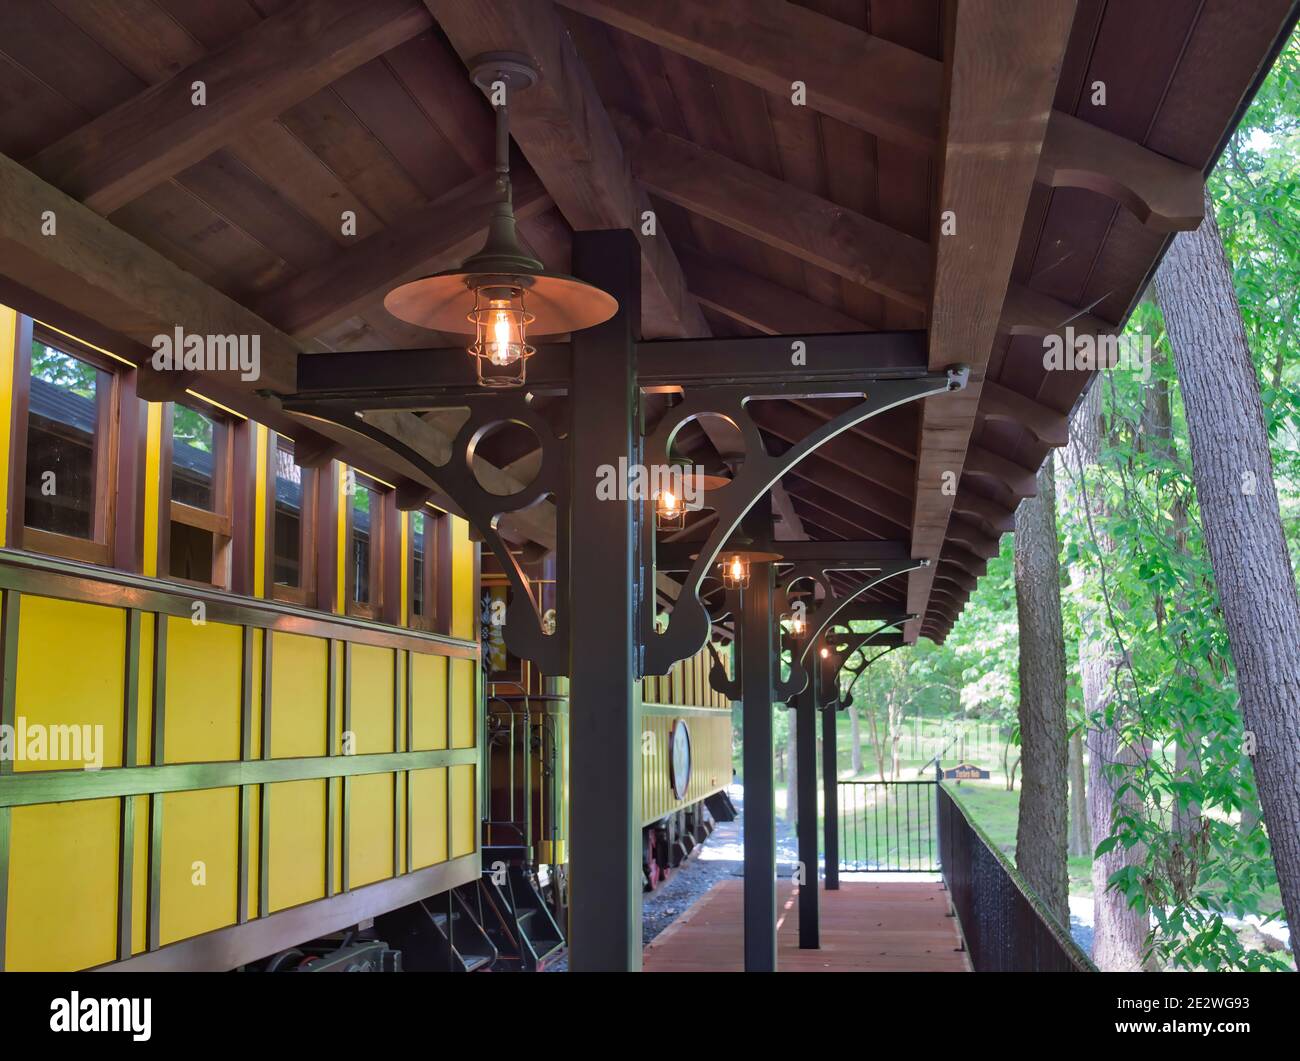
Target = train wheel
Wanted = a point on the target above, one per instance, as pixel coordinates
(654, 872)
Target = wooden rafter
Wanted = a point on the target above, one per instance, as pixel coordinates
(858, 248)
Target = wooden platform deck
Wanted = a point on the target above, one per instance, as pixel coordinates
(865, 927)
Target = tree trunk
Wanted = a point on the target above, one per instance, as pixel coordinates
(855, 730)
(1080, 835)
(1119, 931)
(876, 746)
(895, 737)
(1158, 426)
(1233, 472)
(1043, 826)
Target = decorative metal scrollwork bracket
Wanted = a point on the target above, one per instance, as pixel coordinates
(820, 617)
(526, 634)
(688, 626)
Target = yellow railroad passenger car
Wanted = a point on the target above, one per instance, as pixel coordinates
(241, 688)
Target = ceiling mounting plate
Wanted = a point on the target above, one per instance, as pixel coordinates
(515, 69)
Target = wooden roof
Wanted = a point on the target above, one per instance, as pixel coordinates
(773, 217)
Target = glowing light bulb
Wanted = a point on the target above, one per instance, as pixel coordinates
(826, 653)
(797, 627)
(501, 339)
(737, 570)
(668, 501)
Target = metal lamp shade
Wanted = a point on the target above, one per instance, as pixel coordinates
(558, 304)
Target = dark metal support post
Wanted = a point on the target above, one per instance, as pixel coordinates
(758, 649)
(805, 707)
(830, 786)
(604, 668)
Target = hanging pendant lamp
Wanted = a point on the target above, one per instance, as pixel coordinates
(502, 295)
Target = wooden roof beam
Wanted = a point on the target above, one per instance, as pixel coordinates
(1004, 60)
(266, 70)
(892, 92)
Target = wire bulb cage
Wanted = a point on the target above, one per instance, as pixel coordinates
(735, 571)
(670, 512)
(500, 346)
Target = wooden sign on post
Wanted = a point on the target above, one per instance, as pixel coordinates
(965, 772)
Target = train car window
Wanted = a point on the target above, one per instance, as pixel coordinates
(427, 534)
(71, 439)
(199, 536)
(294, 530)
(365, 545)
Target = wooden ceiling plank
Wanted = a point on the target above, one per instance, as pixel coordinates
(757, 302)
(1004, 60)
(269, 68)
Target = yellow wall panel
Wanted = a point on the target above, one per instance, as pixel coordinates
(428, 816)
(463, 702)
(463, 815)
(201, 722)
(464, 608)
(370, 829)
(297, 848)
(62, 910)
(199, 827)
(372, 699)
(299, 694)
(428, 701)
(53, 692)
